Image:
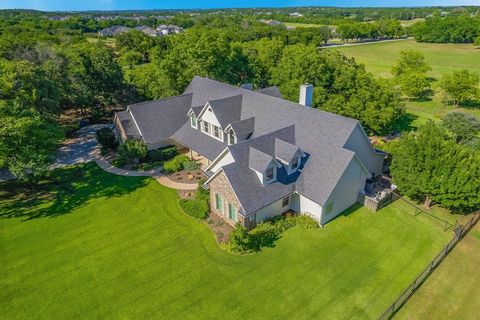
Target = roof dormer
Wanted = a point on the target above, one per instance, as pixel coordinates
(264, 165)
(289, 155)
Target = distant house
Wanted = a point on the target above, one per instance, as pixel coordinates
(113, 30)
(147, 30)
(296, 14)
(168, 29)
(272, 23)
(263, 155)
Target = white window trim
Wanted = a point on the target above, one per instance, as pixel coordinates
(274, 175)
(211, 131)
(288, 202)
(196, 121)
(229, 134)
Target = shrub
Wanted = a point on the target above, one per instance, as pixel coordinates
(106, 137)
(175, 164)
(162, 154)
(198, 207)
(191, 165)
(149, 165)
(240, 240)
(119, 162)
(133, 151)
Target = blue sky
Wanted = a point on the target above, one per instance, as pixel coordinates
(52, 5)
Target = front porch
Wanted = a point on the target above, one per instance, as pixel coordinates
(197, 157)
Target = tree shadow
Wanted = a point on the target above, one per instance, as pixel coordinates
(404, 123)
(64, 191)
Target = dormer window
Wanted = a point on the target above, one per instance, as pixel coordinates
(269, 175)
(206, 127)
(231, 137)
(295, 163)
(193, 121)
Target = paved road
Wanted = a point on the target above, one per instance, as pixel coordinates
(83, 148)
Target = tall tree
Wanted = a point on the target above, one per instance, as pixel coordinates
(459, 87)
(427, 165)
(463, 126)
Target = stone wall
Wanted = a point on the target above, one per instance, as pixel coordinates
(221, 186)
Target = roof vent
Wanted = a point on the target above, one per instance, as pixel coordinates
(306, 95)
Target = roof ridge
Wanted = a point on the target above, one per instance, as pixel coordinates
(162, 99)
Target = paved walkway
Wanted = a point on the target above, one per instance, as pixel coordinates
(84, 148)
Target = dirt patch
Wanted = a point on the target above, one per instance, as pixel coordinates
(187, 194)
(220, 228)
(187, 176)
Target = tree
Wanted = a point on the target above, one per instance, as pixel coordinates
(325, 34)
(477, 41)
(463, 126)
(414, 85)
(341, 86)
(27, 140)
(459, 87)
(427, 165)
(411, 61)
(106, 137)
(133, 150)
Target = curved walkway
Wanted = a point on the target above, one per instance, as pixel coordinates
(164, 180)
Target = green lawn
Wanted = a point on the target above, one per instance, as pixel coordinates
(379, 58)
(453, 290)
(104, 246)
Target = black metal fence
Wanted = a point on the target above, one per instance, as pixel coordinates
(460, 232)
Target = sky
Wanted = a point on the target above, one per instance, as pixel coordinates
(78, 5)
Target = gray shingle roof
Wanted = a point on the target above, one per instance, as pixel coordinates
(158, 120)
(285, 151)
(227, 110)
(276, 128)
(271, 91)
(128, 125)
(258, 160)
(243, 129)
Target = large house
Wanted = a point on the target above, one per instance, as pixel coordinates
(263, 155)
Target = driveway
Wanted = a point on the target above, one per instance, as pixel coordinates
(80, 149)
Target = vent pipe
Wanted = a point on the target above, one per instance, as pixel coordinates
(306, 95)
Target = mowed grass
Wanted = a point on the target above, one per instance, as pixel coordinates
(379, 59)
(95, 245)
(453, 290)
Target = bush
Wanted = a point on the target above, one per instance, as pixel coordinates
(119, 162)
(175, 164)
(133, 151)
(149, 165)
(162, 154)
(240, 240)
(265, 234)
(191, 165)
(106, 137)
(199, 207)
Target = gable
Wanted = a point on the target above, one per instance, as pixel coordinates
(208, 115)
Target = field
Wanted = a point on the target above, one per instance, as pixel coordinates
(453, 290)
(301, 25)
(379, 58)
(94, 245)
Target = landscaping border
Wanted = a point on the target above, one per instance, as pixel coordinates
(460, 232)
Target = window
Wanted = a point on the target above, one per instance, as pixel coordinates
(285, 202)
(231, 137)
(329, 208)
(251, 218)
(218, 202)
(193, 121)
(294, 163)
(206, 127)
(232, 212)
(216, 132)
(269, 173)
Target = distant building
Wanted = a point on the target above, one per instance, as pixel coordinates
(113, 30)
(164, 30)
(147, 30)
(296, 14)
(272, 23)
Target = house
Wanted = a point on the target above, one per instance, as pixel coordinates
(263, 155)
(168, 29)
(147, 30)
(113, 30)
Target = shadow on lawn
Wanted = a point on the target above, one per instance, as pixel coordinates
(66, 190)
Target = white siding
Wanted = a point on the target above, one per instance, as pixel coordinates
(226, 159)
(346, 192)
(359, 143)
(272, 210)
(307, 206)
(210, 117)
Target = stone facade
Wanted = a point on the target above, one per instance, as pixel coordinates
(220, 185)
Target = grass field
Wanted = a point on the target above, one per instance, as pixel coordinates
(302, 25)
(94, 245)
(379, 58)
(453, 290)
